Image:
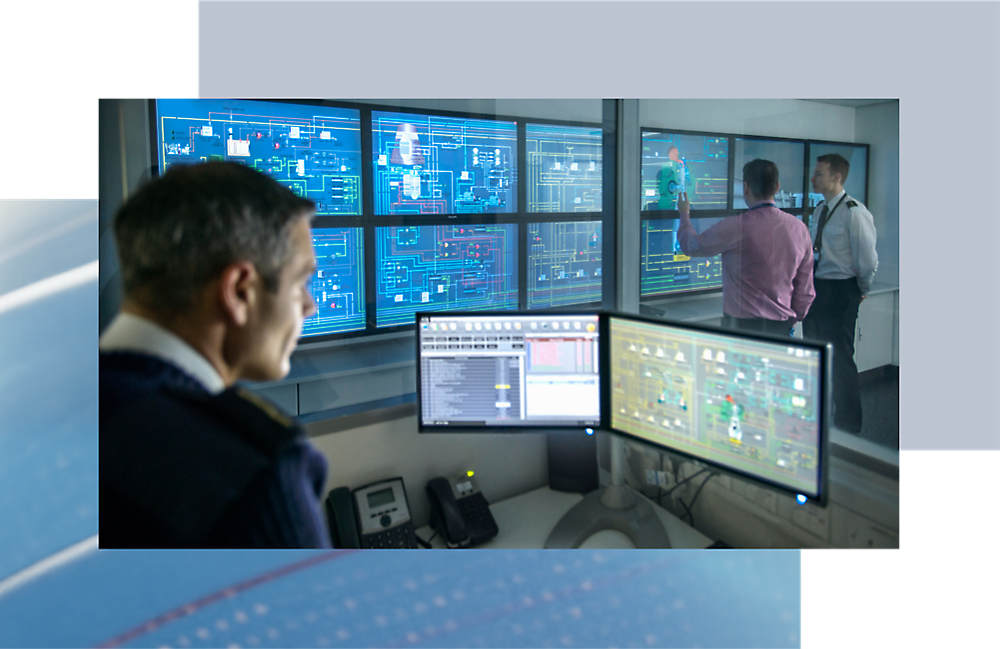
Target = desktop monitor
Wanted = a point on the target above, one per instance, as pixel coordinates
(751, 404)
(502, 371)
(313, 150)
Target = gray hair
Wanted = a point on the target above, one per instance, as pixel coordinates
(182, 229)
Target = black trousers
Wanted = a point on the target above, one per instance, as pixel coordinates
(759, 325)
(832, 318)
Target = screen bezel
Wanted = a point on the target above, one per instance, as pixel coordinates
(826, 377)
(512, 429)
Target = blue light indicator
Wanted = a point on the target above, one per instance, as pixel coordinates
(590, 431)
(800, 499)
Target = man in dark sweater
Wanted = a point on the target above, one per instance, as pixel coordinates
(215, 261)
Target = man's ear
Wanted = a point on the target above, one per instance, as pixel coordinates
(238, 284)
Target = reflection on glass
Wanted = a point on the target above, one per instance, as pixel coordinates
(676, 162)
(789, 156)
(856, 178)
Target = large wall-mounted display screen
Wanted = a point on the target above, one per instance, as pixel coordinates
(433, 165)
(788, 156)
(338, 287)
(444, 267)
(564, 168)
(313, 150)
(665, 270)
(676, 162)
(564, 263)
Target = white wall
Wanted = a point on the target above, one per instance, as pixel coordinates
(776, 117)
(573, 110)
(505, 465)
(878, 125)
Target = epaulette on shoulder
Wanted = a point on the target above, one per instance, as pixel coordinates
(266, 406)
(852, 203)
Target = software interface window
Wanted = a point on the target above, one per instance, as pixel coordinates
(509, 370)
(751, 405)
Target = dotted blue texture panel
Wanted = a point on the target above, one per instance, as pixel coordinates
(417, 598)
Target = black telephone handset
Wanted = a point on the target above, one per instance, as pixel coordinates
(459, 512)
(373, 516)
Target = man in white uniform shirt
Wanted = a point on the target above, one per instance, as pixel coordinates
(843, 236)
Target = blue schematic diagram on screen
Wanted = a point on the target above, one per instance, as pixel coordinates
(564, 168)
(664, 269)
(564, 263)
(338, 287)
(430, 164)
(678, 162)
(444, 267)
(313, 150)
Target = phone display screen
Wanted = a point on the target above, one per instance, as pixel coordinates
(379, 498)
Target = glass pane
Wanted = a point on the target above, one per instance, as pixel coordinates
(665, 270)
(564, 263)
(856, 177)
(790, 158)
(676, 162)
(444, 268)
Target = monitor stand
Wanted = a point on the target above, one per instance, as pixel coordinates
(618, 507)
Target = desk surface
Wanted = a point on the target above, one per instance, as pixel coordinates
(526, 520)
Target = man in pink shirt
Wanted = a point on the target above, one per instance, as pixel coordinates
(767, 260)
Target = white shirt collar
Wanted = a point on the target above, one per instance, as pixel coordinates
(133, 333)
(833, 201)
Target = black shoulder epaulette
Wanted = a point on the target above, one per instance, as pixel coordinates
(852, 203)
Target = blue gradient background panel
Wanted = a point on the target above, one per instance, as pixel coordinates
(313, 150)
(564, 168)
(444, 268)
(564, 263)
(48, 381)
(416, 598)
(665, 270)
(338, 287)
(706, 158)
(431, 164)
